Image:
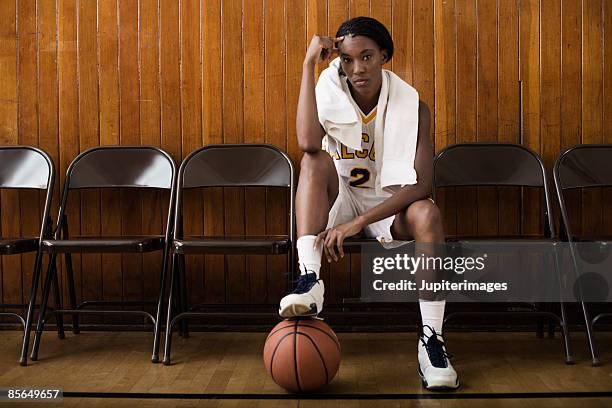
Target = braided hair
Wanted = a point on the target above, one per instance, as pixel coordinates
(371, 28)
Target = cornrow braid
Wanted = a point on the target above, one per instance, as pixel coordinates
(371, 28)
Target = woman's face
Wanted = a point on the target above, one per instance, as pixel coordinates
(362, 60)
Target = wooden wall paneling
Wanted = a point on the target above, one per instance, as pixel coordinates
(191, 130)
(154, 203)
(529, 26)
(214, 282)
(467, 205)
(276, 133)
(129, 104)
(359, 8)
(382, 11)
(9, 105)
(443, 117)
(402, 32)
(68, 106)
(89, 136)
(110, 127)
(170, 90)
(592, 105)
(571, 94)
(487, 106)
(550, 71)
(236, 289)
(25, 219)
(607, 107)
(508, 130)
(339, 283)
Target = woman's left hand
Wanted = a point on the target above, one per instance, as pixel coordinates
(333, 238)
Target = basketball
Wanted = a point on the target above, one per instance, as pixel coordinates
(302, 354)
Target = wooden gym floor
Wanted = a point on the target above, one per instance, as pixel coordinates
(372, 363)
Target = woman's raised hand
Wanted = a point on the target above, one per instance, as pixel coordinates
(321, 49)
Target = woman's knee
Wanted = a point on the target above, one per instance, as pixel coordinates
(424, 216)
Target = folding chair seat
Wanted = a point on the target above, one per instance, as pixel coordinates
(26, 167)
(11, 246)
(227, 165)
(583, 167)
(242, 245)
(120, 167)
(498, 164)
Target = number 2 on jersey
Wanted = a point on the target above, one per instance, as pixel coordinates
(359, 176)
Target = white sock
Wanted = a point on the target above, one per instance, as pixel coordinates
(432, 313)
(309, 259)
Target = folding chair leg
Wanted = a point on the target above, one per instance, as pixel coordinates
(588, 324)
(167, 344)
(51, 270)
(72, 294)
(23, 359)
(183, 298)
(160, 306)
(59, 318)
(569, 358)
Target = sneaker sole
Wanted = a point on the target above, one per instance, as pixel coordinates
(436, 387)
(296, 310)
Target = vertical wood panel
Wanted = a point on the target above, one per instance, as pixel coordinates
(212, 111)
(154, 204)
(508, 109)
(89, 137)
(25, 202)
(529, 15)
(592, 105)
(254, 132)
(467, 206)
(607, 107)
(108, 43)
(571, 93)
(69, 116)
(236, 290)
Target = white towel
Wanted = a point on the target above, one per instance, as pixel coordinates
(397, 123)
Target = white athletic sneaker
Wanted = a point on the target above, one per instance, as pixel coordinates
(305, 300)
(435, 368)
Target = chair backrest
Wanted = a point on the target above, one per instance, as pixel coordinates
(121, 166)
(244, 165)
(584, 166)
(25, 167)
(487, 164)
(237, 165)
(493, 164)
(28, 167)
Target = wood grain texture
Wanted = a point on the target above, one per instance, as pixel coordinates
(182, 74)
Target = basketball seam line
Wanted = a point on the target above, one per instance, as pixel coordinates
(336, 342)
(277, 330)
(297, 377)
(320, 356)
(274, 353)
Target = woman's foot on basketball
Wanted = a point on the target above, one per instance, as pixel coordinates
(435, 368)
(306, 299)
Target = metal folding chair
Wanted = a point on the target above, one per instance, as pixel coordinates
(26, 167)
(583, 166)
(227, 165)
(498, 164)
(141, 167)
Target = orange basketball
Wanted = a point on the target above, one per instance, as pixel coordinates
(302, 354)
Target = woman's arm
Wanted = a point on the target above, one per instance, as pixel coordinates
(308, 128)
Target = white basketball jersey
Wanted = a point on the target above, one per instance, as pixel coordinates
(357, 167)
